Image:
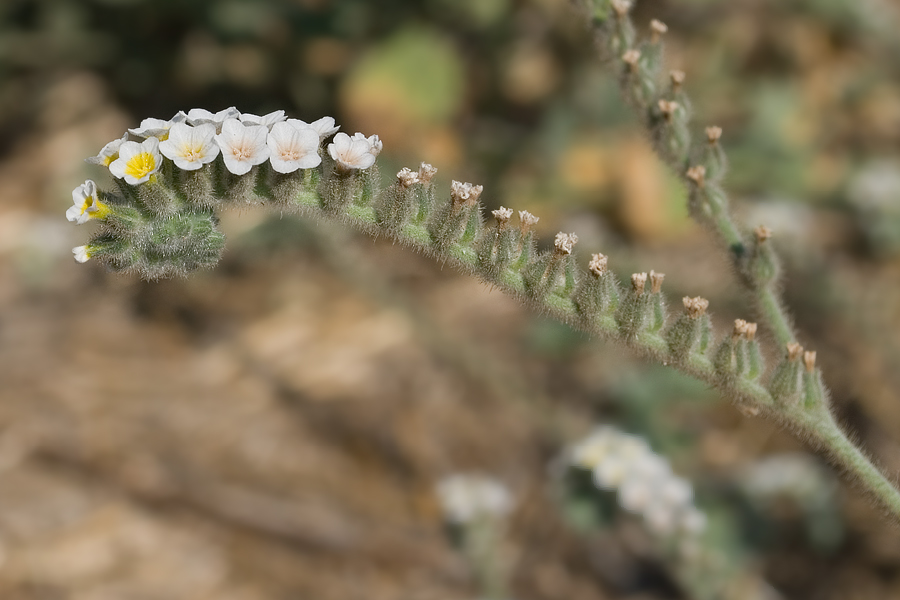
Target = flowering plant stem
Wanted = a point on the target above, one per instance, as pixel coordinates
(812, 419)
(163, 222)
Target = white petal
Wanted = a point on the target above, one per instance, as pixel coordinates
(81, 254)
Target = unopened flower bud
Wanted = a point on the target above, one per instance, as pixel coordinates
(564, 242)
(657, 29)
(426, 173)
(697, 174)
(667, 108)
(656, 281)
(809, 361)
(407, 177)
(503, 215)
(527, 220)
(464, 193)
(762, 233)
(677, 79)
(631, 58)
(598, 264)
(713, 134)
(621, 7)
(638, 281)
(695, 307)
(794, 351)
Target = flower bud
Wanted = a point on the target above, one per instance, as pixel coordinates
(598, 295)
(689, 338)
(787, 381)
(763, 267)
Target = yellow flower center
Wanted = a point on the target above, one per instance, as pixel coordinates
(100, 210)
(140, 165)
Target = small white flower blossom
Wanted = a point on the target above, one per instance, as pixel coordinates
(407, 177)
(199, 116)
(243, 146)
(157, 127)
(87, 204)
(375, 143)
(108, 153)
(351, 153)
(610, 472)
(190, 147)
(324, 127)
(292, 148)
(265, 120)
(137, 162)
(82, 254)
(467, 497)
(636, 495)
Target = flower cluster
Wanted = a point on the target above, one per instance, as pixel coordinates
(172, 173)
(468, 497)
(644, 480)
(197, 137)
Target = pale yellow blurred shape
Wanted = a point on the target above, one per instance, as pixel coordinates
(530, 74)
(585, 167)
(645, 209)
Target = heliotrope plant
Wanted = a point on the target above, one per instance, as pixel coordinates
(172, 176)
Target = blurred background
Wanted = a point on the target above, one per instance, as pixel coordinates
(274, 428)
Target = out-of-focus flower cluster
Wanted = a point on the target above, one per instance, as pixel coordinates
(644, 481)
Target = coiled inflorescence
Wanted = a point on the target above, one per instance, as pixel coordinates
(173, 175)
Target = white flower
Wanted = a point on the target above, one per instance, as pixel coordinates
(82, 254)
(108, 153)
(676, 492)
(199, 116)
(324, 127)
(265, 120)
(242, 146)
(87, 204)
(466, 497)
(661, 518)
(375, 144)
(588, 453)
(649, 466)
(610, 472)
(292, 148)
(157, 127)
(190, 147)
(636, 495)
(351, 153)
(137, 162)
